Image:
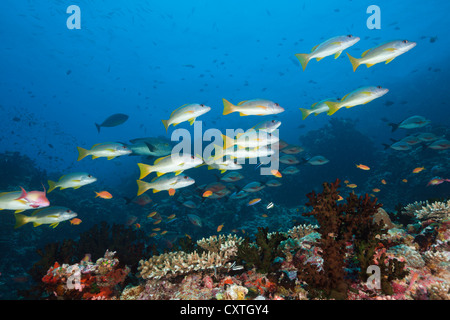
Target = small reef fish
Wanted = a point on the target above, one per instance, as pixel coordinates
(273, 183)
(418, 169)
(141, 200)
(317, 160)
(239, 195)
(207, 194)
(247, 153)
(113, 121)
(412, 122)
(427, 137)
(270, 206)
(75, 221)
(169, 182)
(276, 173)
(436, 181)
(195, 220)
(268, 126)
(340, 198)
(385, 52)
(376, 190)
(189, 204)
(219, 228)
(232, 177)
(289, 159)
(170, 163)
(253, 186)
(291, 149)
(383, 181)
(35, 199)
(109, 150)
(257, 107)
(355, 98)
(405, 180)
(103, 194)
(441, 144)
(332, 46)
(223, 164)
(187, 112)
(52, 216)
(362, 167)
(254, 201)
(352, 185)
(317, 108)
(399, 146)
(72, 180)
(290, 170)
(130, 220)
(151, 214)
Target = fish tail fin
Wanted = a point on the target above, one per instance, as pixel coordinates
(393, 125)
(218, 152)
(51, 186)
(165, 123)
(21, 219)
(333, 107)
(97, 194)
(386, 146)
(98, 127)
(82, 153)
(305, 113)
(142, 186)
(228, 107)
(303, 58)
(355, 62)
(227, 141)
(145, 169)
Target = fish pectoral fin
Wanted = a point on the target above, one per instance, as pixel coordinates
(95, 157)
(54, 225)
(178, 172)
(191, 121)
(337, 54)
(77, 187)
(222, 171)
(110, 158)
(389, 60)
(155, 191)
(18, 211)
(369, 65)
(318, 59)
(159, 174)
(35, 224)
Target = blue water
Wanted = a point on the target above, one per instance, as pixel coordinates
(147, 58)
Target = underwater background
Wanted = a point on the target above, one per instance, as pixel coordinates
(147, 58)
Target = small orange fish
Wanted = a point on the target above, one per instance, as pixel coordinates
(157, 221)
(163, 232)
(340, 198)
(151, 214)
(376, 190)
(219, 228)
(243, 231)
(352, 185)
(171, 216)
(362, 167)
(171, 192)
(276, 173)
(404, 180)
(188, 236)
(104, 195)
(264, 215)
(383, 181)
(153, 234)
(418, 169)
(137, 225)
(75, 221)
(207, 193)
(156, 229)
(346, 181)
(254, 201)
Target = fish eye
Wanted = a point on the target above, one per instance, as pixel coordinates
(202, 105)
(273, 121)
(349, 36)
(277, 104)
(68, 211)
(89, 176)
(185, 177)
(405, 41)
(192, 157)
(379, 87)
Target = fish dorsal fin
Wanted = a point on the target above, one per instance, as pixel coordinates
(62, 177)
(345, 97)
(314, 48)
(312, 106)
(96, 145)
(155, 191)
(242, 102)
(365, 52)
(35, 224)
(159, 159)
(177, 109)
(153, 180)
(36, 212)
(318, 59)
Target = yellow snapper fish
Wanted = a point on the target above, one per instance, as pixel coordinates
(170, 163)
(250, 139)
(52, 216)
(222, 165)
(317, 108)
(255, 107)
(109, 150)
(359, 96)
(332, 46)
(165, 182)
(15, 201)
(385, 52)
(246, 153)
(72, 180)
(187, 112)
